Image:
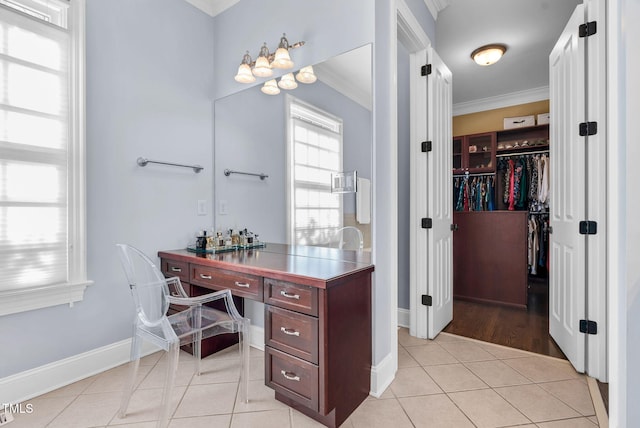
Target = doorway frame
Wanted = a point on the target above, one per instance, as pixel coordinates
(410, 33)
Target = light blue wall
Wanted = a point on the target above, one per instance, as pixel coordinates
(424, 17)
(404, 182)
(149, 90)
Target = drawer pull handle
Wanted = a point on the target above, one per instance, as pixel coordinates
(242, 284)
(290, 376)
(289, 331)
(203, 276)
(290, 296)
(175, 269)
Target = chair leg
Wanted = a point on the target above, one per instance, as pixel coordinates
(244, 361)
(172, 366)
(136, 344)
(197, 352)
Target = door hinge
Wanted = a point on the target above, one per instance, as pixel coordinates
(426, 146)
(427, 300)
(588, 228)
(454, 227)
(425, 70)
(588, 128)
(588, 29)
(427, 223)
(586, 326)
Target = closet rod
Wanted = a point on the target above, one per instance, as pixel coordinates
(504, 155)
(479, 174)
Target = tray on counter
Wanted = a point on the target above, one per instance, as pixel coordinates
(226, 248)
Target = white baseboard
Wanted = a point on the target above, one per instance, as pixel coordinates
(404, 317)
(40, 380)
(381, 376)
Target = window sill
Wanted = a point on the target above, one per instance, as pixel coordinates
(15, 301)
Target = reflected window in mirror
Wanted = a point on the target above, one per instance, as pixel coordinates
(314, 152)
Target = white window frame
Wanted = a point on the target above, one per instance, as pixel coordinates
(14, 301)
(290, 185)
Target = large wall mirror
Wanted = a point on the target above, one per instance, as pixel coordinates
(297, 138)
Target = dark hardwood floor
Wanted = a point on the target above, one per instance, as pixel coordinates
(516, 328)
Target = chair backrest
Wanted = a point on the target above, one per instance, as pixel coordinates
(148, 285)
(350, 238)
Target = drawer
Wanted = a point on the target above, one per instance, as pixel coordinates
(300, 298)
(240, 284)
(292, 377)
(291, 332)
(173, 268)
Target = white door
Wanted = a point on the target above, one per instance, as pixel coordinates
(567, 204)
(440, 196)
(431, 198)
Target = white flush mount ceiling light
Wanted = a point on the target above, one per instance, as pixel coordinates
(266, 62)
(488, 54)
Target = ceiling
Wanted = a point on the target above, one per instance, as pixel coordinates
(529, 28)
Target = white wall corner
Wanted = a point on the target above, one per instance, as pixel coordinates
(435, 6)
(404, 317)
(382, 375)
(500, 101)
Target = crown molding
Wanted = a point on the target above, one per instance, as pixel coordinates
(212, 7)
(500, 101)
(436, 6)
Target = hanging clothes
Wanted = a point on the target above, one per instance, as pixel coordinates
(474, 193)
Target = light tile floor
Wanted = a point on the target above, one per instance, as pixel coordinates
(449, 382)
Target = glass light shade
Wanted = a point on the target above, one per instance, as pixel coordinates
(288, 82)
(487, 55)
(270, 87)
(244, 74)
(262, 67)
(306, 75)
(282, 59)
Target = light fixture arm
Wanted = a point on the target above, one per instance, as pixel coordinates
(284, 43)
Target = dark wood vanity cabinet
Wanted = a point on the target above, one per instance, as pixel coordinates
(317, 320)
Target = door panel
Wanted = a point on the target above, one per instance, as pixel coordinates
(439, 196)
(567, 204)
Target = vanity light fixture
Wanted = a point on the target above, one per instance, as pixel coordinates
(244, 71)
(270, 87)
(306, 75)
(287, 82)
(263, 66)
(488, 54)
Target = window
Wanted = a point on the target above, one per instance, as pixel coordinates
(42, 238)
(314, 153)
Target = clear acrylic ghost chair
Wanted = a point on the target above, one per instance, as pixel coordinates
(152, 294)
(350, 238)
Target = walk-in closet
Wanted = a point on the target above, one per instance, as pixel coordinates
(501, 188)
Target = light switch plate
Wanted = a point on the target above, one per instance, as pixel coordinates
(223, 206)
(202, 207)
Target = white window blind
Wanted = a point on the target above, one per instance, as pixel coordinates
(315, 152)
(38, 210)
